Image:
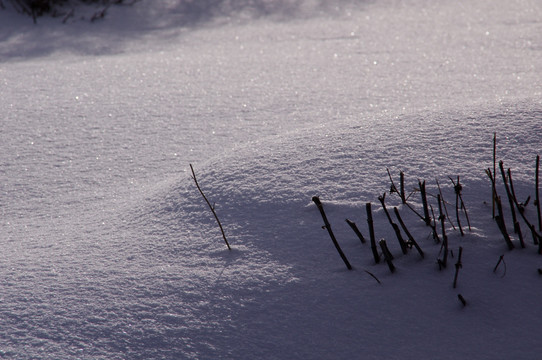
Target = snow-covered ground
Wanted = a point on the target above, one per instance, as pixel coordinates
(109, 251)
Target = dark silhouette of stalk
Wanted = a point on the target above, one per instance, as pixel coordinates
(387, 255)
(372, 232)
(537, 238)
(501, 260)
(401, 190)
(444, 204)
(537, 193)
(459, 198)
(517, 228)
(410, 237)
(458, 265)
(499, 219)
(433, 225)
(494, 176)
(373, 276)
(318, 203)
(393, 225)
(356, 230)
(501, 224)
(427, 218)
(462, 299)
(442, 219)
(210, 207)
(511, 196)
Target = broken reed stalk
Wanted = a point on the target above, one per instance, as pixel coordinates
(393, 188)
(409, 235)
(210, 207)
(401, 190)
(537, 238)
(372, 232)
(462, 299)
(433, 225)
(444, 204)
(501, 223)
(458, 188)
(537, 193)
(499, 219)
(393, 225)
(442, 218)
(494, 176)
(458, 265)
(517, 228)
(387, 255)
(511, 196)
(356, 230)
(427, 218)
(318, 203)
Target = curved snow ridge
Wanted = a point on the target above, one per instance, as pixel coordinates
(262, 192)
(347, 161)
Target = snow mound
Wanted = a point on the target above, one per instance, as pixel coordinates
(286, 270)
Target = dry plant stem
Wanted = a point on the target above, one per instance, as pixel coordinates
(458, 265)
(372, 232)
(356, 230)
(511, 194)
(508, 192)
(537, 238)
(442, 219)
(457, 211)
(499, 218)
(434, 228)
(210, 207)
(458, 187)
(427, 218)
(444, 204)
(501, 224)
(393, 188)
(512, 198)
(373, 276)
(537, 193)
(409, 235)
(387, 255)
(493, 177)
(393, 225)
(318, 203)
(462, 299)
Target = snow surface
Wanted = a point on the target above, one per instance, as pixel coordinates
(109, 251)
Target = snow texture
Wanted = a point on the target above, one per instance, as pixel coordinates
(109, 251)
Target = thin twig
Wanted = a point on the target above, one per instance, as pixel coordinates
(444, 203)
(373, 276)
(537, 193)
(327, 225)
(210, 207)
(458, 265)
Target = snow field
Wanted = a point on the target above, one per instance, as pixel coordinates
(109, 252)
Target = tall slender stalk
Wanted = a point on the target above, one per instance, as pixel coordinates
(210, 207)
(494, 176)
(374, 249)
(318, 203)
(427, 218)
(537, 193)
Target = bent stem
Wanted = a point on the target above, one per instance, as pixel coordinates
(210, 207)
